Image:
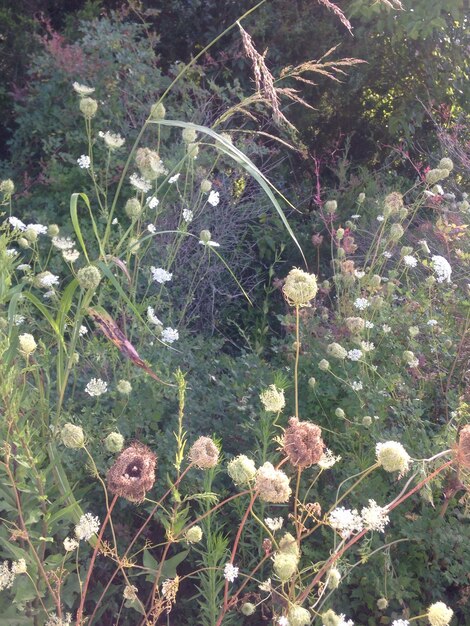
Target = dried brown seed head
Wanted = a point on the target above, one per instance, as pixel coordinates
(303, 443)
(133, 473)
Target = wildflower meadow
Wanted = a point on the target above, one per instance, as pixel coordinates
(234, 361)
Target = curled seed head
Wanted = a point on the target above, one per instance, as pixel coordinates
(133, 472)
(303, 443)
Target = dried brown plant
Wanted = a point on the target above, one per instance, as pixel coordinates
(303, 443)
(133, 473)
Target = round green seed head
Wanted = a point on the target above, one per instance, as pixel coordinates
(89, 277)
(72, 436)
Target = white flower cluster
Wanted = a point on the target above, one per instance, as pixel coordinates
(140, 183)
(160, 275)
(345, 521)
(8, 575)
(112, 140)
(274, 523)
(230, 572)
(169, 335)
(328, 459)
(374, 517)
(354, 355)
(214, 198)
(410, 261)
(87, 526)
(96, 387)
(442, 268)
(361, 303)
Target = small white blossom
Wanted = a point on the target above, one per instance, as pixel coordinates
(355, 217)
(18, 320)
(19, 567)
(442, 268)
(24, 267)
(54, 620)
(386, 328)
(367, 346)
(188, 215)
(160, 275)
(213, 198)
(96, 387)
(70, 255)
(369, 324)
(151, 229)
(274, 523)
(359, 274)
(230, 572)
(343, 621)
(169, 335)
(345, 521)
(410, 261)
(328, 459)
(112, 140)
(380, 218)
(84, 161)
(16, 223)
(140, 183)
(63, 243)
(375, 517)
(265, 586)
(82, 331)
(152, 318)
(82, 90)
(47, 279)
(387, 254)
(130, 593)
(283, 621)
(431, 322)
(354, 355)
(153, 202)
(115, 221)
(356, 385)
(361, 303)
(174, 178)
(87, 526)
(400, 622)
(70, 544)
(39, 229)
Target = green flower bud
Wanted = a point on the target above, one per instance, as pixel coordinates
(206, 186)
(298, 616)
(192, 150)
(88, 107)
(337, 351)
(133, 245)
(158, 111)
(361, 197)
(189, 135)
(53, 230)
(366, 420)
(331, 619)
(241, 470)
(248, 608)
(382, 603)
(446, 164)
(299, 288)
(23, 242)
(331, 206)
(193, 534)
(72, 436)
(31, 235)
(396, 232)
(334, 578)
(114, 442)
(312, 382)
(406, 250)
(27, 344)
(434, 176)
(285, 566)
(341, 253)
(124, 387)
(205, 236)
(7, 187)
(89, 277)
(133, 208)
(340, 413)
(340, 234)
(288, 545)
(324, 365)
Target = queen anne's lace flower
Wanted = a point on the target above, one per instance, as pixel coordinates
(84, 162)
(439, 614)
(410, 261)
(82, 90)
(345, 521)
(152, 317)
(141, 184)
(393, 457)
(112, 140)
(361, 303)
(374, 517)
(213, 198)
(96, 387)
(273, 399)
(87, 526)
(274, 523)
(169, 335)
(354, 355)
(160, 275)
(230, 572)
(442, 269)
(328, 459)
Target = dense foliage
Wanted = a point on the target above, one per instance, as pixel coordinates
(193, 429)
